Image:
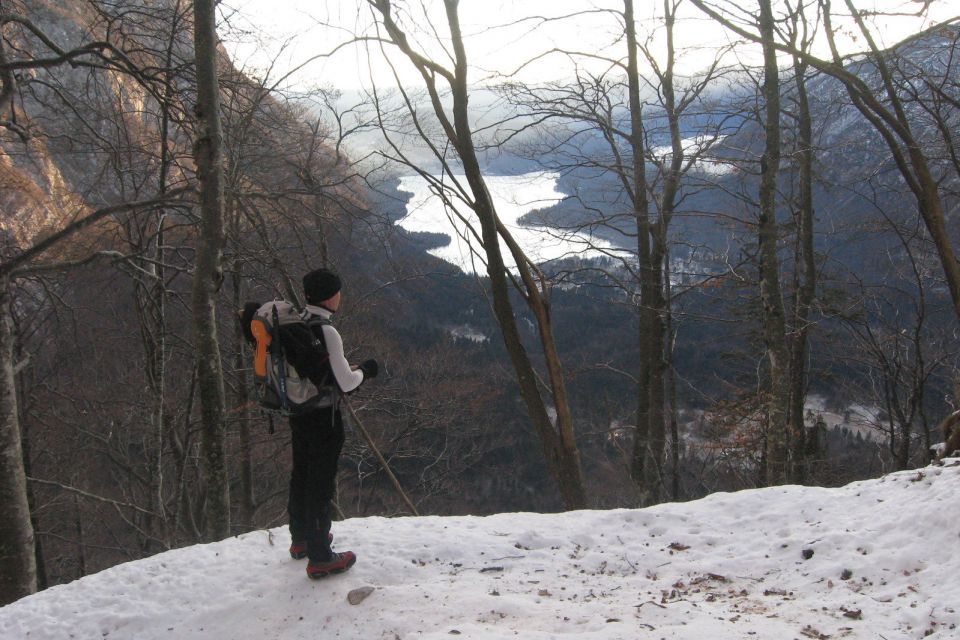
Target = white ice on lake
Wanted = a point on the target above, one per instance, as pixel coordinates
(513, 197)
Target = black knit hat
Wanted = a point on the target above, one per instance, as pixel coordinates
(320, 285)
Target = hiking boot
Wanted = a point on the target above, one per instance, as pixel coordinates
(338, 563)
(298, 548)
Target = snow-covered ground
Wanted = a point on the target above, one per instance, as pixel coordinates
(873, 560)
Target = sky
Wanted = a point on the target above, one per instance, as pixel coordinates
(501, 35)
(874, 559)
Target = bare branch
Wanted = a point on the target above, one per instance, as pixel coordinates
(76, 226)
(91, 496)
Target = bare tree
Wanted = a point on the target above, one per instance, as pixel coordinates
(774, 323)
(36, 50)
(16, 533)
(559, 440)
(650, 437)
(603, 131)
(208, 274)
(18, 567)
(883, 107)
(901, 342)
(805, 272)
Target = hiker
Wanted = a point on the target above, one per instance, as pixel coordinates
(318, 435)
(314, 349)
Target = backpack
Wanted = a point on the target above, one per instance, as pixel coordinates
(278, 385)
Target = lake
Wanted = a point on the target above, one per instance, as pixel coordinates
(513, 197)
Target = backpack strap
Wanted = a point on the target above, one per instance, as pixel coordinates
(318, 342)
(280, 363)
(318, 339)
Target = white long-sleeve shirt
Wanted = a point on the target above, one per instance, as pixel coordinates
(347, 379)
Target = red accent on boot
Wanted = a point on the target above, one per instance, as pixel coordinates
(339, 563)
(298, 549)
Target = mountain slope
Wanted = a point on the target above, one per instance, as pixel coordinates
(728, 566)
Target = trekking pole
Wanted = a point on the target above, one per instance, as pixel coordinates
(383, 461)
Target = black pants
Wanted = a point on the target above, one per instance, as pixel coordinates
(317, 443)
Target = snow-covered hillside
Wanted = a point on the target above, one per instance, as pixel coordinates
(875, 559)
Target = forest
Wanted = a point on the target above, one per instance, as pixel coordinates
(777, 301)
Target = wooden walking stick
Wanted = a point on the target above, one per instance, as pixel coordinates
(383, 461)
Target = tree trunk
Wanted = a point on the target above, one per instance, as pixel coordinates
(18, 562)
(774, 329)
(81, 542)
(247, 500)
(671, 334)
(18, 567)
(648, 442)
(806, 279)
(22, 383)
(157, 295)
(208, 273)
(559, 445)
